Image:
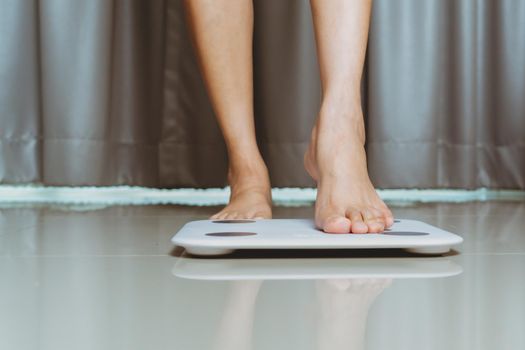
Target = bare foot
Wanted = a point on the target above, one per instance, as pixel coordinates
(250, 196)
(336, 160)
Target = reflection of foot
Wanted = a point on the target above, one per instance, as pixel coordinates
(336, 159)
(359, 292)
(236, 325)
(250, 196)
(343, 306)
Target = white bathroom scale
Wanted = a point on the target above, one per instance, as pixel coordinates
(219, 237)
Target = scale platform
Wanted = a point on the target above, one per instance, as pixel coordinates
(219, 237)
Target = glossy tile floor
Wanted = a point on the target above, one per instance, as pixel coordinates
(109, 278)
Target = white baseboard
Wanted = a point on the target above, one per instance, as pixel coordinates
(126, 195)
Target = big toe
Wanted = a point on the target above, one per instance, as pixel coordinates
(336, 224)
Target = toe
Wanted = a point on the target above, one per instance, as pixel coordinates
(219, 216)
(358, 225)
(374, 220)
(375, 226)
(389, 217)
(336, 224)
(260, 216)
(230, 216)
(216, 216)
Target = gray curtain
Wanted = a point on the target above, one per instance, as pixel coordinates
(107, 92)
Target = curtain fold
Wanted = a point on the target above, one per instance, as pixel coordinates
(108, 92)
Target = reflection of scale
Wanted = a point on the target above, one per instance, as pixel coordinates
(207, 237)
(312, 269)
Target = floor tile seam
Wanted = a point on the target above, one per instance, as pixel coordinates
(167, 255)
(491, 253)
(83, 256)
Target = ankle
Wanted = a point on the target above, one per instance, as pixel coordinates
(340, 129)
(247, 171)
(341, 115)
